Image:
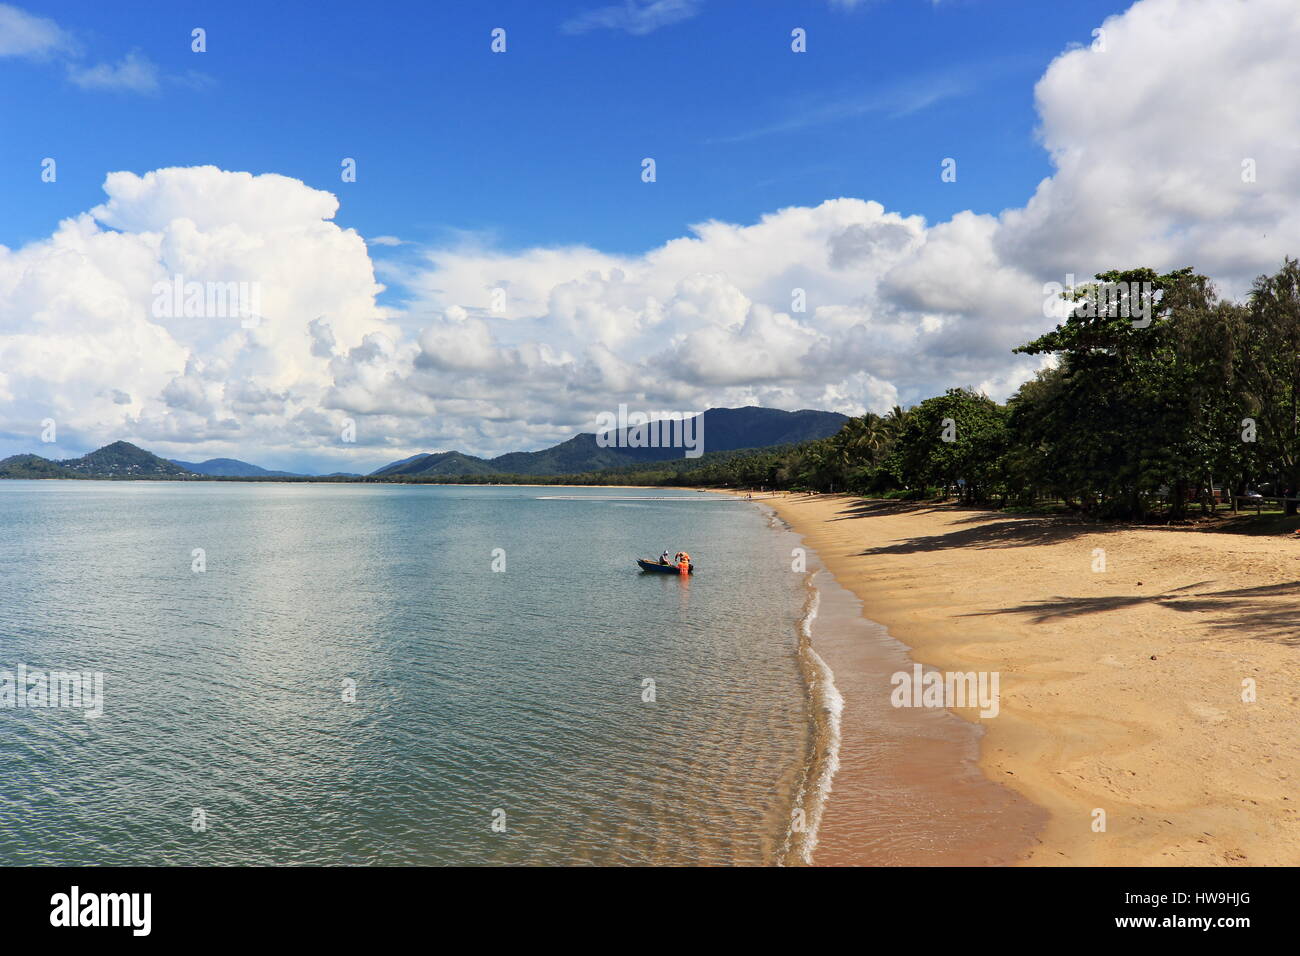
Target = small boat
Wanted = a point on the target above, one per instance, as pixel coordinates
(661, 568)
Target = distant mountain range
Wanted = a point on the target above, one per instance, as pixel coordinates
(721, 429)
(724, 429)
(231, 468)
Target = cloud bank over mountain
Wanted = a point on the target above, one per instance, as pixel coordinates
(1172, 141)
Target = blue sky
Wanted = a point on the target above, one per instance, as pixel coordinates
(798, 248)
(543, 144)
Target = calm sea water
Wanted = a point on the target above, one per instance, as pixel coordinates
(477, 693)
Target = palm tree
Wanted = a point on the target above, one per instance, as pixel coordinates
(895, 421)
(877, 436)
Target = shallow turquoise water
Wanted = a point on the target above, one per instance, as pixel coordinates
(476, 691)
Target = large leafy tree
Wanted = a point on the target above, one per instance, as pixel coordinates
(955, 440)
(1130, 411)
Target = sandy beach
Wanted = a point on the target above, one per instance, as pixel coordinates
(1121, 690)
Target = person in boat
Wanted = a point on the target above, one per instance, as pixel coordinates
(663, 558)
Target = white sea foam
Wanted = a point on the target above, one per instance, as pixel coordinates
(828, 709)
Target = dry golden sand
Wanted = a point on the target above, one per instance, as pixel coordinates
(1121, 690)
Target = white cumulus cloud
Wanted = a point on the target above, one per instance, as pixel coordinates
(87, 338)
(1172, 145)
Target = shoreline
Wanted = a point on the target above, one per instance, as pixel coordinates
(1121, 691)
(897, 787)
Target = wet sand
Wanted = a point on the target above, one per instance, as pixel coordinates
(1121, 690)
(909, 790)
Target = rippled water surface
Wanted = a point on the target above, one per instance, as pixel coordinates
(476, 691)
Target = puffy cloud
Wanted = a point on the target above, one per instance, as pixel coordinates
(786, 311)
(210, 199)
(1149, 134)
(842, 305)
(91, 335)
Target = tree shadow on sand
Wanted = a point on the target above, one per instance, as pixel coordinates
(1235, 609)
(987, 529)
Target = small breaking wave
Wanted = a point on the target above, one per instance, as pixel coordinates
(827, 708)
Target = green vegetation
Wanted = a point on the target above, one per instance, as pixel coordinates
(123, 460)
(32, 466)
(1134, 417)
